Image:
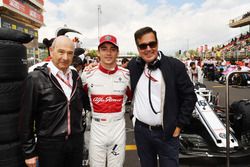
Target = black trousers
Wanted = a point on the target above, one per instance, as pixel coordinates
(152, 144)
(60, 152)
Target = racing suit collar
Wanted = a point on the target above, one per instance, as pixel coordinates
(108, 71)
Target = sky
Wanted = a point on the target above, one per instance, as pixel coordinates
(180, 24)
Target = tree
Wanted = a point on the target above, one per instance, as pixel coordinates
(132, 53)
(193, 52)
(92, 53)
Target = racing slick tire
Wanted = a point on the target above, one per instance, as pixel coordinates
(15, 35)
(9, 127)
(11, 155)
(241, 117)
(13, 61)
(10, 96)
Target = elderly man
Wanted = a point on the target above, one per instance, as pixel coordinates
(51, 114)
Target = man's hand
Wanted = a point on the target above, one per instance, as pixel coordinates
(90, 66)
(133, 121)
(31, 162)
(177, 132)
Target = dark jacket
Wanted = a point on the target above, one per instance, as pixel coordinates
(45, 105)
(180, 97)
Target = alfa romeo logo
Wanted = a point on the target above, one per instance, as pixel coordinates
(108, 38)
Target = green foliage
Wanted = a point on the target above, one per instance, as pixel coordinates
(132, 53)
(92, 53)
(193, 52)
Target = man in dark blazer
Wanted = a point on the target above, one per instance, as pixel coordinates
(163, 101)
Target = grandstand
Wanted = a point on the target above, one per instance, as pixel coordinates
(238, 46)
(240, 21)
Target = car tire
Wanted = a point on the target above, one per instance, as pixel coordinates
(240, 111)
(9, 127)
(11, 155)
(15, 35)
(13, 61)
(10, 96)
(246, 117)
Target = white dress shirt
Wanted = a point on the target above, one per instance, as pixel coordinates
(62, 78)
(142, 109)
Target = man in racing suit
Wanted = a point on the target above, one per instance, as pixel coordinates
(108, 88)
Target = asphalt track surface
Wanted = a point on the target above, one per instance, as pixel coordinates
(132, 160)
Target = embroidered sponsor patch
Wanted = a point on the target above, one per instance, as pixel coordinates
(107, 103)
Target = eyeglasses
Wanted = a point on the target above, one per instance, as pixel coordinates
(151, 44)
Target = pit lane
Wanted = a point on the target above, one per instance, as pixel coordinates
(236, 93)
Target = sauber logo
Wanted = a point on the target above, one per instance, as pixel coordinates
(97, 100)
(107, 103)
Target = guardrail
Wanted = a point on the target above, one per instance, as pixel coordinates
(227, 113)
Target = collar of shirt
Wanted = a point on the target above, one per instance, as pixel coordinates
(54, 70)
(106, 71)
(142, 109)
(65, 87)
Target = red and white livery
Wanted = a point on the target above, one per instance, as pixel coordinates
(108, 92)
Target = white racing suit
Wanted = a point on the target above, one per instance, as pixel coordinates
(108, 92)
(196, 75)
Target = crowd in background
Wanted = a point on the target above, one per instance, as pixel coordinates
(239, 43)
(211, 67)
(216, 69)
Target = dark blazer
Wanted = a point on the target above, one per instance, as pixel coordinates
(180, 97)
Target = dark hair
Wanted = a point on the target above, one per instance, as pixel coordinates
(84, 61)
(77, 61)
(191, 64)
(79, 51)
(145, 30)
(124, 60)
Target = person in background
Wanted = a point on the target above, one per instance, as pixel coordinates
(80, 52)
(246, 61)
(79, 60)
(108, 89)
(125, 62)
(51, 127)
(195, 73)
(232, 60)
(164, 100)
(209, 68)
(77, 64)
(192, 59)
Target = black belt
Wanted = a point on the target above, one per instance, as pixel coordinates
(157, 127)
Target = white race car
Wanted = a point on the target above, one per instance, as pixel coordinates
(204, 141)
